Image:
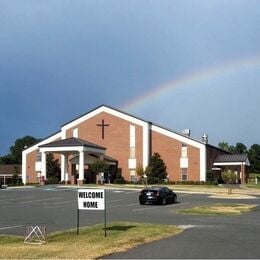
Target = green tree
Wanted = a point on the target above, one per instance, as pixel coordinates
(139, 171)
(238, 148)
(156, 170)
(254, 158)
(229, 177)
(241, 148)
(99, 166)
(15, 155)
(15, 177)
(52, 169)
(224, 146)
(6, 159)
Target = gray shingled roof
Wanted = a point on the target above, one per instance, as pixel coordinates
(106, 158)
(225, 158)
(10, 168)
(72, 142)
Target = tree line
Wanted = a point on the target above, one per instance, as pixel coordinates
(15, 153)
(253, 153)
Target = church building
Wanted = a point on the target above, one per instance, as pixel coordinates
(124, 142)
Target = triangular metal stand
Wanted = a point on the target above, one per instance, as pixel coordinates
(35, 234)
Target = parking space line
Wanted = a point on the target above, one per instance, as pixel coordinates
(10, 199)
(152, 207)
(135, 191)
(32, 201)
(184, 194)
(3, 228)
(58, 206)
(63, 202)
(123, 205)
(19, 203)
(113, 200)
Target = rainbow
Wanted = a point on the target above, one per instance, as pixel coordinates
(194, 77)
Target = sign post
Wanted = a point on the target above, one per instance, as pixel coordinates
(105, 215)
(91, 199)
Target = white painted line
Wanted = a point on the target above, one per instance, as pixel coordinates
(32, 201)
(17, 204)
(135, 191)
(14, 199)
(113, 201)
(63, 202)
(184, 194)
(153, 207)
(2, 228)
(123, 205)
(59, 206)
(187, 226)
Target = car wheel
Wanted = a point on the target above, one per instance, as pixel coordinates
(141, 203)
(164, 201)
(175, 199)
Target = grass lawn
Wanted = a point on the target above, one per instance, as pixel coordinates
(89, 244)
(252, 185)
(219, 209)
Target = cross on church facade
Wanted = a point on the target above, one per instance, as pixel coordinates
(103, 128)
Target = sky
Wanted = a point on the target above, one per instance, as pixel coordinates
(179, 63)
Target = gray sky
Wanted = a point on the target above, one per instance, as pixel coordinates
(61, 58)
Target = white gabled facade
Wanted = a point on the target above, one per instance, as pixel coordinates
(142, 135)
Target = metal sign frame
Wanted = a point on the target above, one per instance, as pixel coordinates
(35, 234)
(91, 199)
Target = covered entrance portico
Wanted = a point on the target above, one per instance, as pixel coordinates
(239, 163)
(69, 148)
(107, 175)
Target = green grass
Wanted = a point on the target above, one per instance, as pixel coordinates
(252, 185)
(254, 175)
(89, 244)
(219, 209)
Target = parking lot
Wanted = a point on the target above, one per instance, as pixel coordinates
(56, 207)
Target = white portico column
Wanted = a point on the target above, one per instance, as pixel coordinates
(62, 177)
(81, 167)
(43, 169)
(66, 170)
(64, 167)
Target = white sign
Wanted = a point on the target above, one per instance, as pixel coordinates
(91, 199)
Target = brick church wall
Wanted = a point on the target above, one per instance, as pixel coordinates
(116, 138)
(170, 151)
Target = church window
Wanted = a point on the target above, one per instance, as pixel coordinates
(184, 151)
(38, 157)
(184, 174)
(133, 177)
(76, 132)
(132, 153)
(132, 136)
(132, 142)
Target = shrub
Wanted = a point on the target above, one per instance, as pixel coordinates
(53, 180)
(119, 179)
(156, 171)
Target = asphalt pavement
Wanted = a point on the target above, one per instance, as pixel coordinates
(229, 237)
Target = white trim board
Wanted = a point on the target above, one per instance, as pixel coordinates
(100, 110)
(229, 163)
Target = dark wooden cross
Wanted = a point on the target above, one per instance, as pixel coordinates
(103, 127)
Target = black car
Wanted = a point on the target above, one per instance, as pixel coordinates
(157, 194)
